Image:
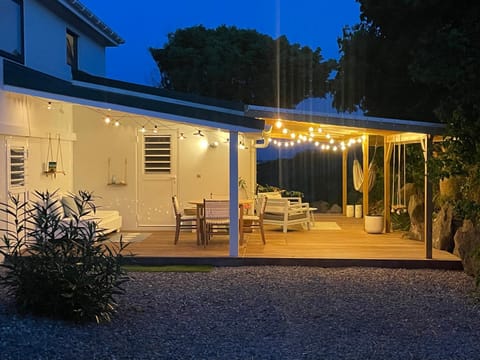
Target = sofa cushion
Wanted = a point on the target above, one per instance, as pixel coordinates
(70, 207)
(270, 216)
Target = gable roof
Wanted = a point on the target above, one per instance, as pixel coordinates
(77, 14)
(137, 99)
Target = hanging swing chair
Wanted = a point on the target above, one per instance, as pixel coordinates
(358, 173)
(399, 190)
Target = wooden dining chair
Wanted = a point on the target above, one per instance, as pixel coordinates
(216, 218)
(256, 220)
(183, 221)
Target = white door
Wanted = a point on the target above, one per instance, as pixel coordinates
(156, 179)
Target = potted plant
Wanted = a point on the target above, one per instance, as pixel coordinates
(374, 222)
(242, 185)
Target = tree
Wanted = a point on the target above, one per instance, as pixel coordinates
(419, 59)
(378, 67)
(241, 65)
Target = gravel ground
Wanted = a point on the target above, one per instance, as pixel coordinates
(267, 313)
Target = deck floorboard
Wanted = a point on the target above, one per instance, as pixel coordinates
(350, 242)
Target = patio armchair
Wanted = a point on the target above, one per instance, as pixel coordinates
(183, 221)
(286, 212)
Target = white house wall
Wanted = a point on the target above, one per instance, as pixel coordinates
(45, 44)
(201, 170)
(27, 119)
(96, 144)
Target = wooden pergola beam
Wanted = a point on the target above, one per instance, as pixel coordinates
(344, 181)
(387, 203)
(366, 162)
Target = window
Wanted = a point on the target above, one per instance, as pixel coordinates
(11, 28)
(157, 154)
(16, 167)
(72, 51)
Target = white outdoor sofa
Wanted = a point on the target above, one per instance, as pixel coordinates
(286, 212)
(108, 220)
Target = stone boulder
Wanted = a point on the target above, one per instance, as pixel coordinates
(417, 216)
(467, 243)
(442, 229)
(335, 209)
(410, 189)
(321, 205)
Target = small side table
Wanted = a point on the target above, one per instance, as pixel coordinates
(311, 215)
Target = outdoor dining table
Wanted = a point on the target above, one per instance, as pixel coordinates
(242, 203)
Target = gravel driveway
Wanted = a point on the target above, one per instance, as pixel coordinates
(269, 312)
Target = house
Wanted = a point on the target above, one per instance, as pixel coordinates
(66, 127)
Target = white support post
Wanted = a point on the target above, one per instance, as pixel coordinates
(234, 229)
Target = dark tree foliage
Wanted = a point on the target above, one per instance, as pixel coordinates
(241, 65)
(304, 172)
(383, 59)
(419, 59)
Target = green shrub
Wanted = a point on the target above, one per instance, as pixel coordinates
(400, 221)
(467, 209)
(56, 268)
(292, 193)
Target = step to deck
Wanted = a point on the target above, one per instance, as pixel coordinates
(328, 263)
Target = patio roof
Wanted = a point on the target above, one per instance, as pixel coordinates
(131, 98)
(341, 126)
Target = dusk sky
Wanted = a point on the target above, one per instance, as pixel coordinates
(146, 23)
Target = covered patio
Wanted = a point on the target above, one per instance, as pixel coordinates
(334, 240)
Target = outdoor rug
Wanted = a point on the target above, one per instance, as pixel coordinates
(325, 225)
(129, 237)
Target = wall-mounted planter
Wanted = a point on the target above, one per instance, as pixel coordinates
(374, 224)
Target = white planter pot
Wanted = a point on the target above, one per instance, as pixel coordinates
(358, 211)
(374, 224)
(350, 211)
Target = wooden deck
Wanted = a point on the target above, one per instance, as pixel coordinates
(347, 245)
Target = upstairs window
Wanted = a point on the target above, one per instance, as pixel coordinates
(157, 154)
(72, 51)
(11, 29)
